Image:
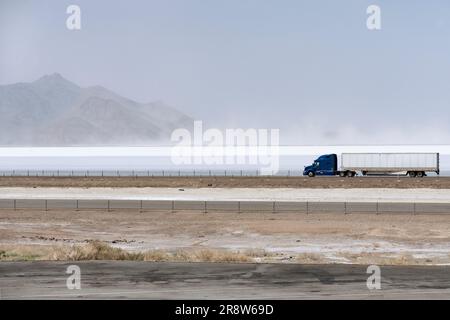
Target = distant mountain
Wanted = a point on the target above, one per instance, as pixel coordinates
(53, 111)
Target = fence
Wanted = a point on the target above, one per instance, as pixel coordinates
(308, 207)
(146, 173)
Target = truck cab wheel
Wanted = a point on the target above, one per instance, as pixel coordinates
(311, 174)
(342, 174)
(412, 174)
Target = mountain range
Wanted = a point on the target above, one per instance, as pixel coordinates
(53, 111)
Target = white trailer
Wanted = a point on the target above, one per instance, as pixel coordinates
(412, 164)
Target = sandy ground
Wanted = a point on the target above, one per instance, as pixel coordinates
(228, 182)
(234, 194)
(322, 238)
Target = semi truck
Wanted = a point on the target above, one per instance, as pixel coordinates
(351, 164)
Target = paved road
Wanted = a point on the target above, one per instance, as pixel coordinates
(146, 280)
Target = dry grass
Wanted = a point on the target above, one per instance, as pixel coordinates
(96, 250)
(23, 252)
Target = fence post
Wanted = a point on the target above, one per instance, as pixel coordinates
(77, 204)
(414, 208)
(108, 206)
(15, 205)
(46, 205)
(206, 211)
(307, 207)
(239, 207)
(140, 209)
(273, 207)
(377, 208)
(173, 206)
(345, 207)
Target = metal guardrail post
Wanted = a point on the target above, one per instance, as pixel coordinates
(46, 205)
(15, 204)
(206, 211)
(377, 211)
(273, 207)
(307, 207)
(140, 206)
(414, 208)
(77, 204)
(345, 207)
(173, 206)
(108, 206)
(239, 207)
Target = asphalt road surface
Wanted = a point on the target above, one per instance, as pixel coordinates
(148, 280)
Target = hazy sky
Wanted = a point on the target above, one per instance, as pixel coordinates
(294, 65)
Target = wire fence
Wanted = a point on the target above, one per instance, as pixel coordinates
(306, 207)
(147, 173)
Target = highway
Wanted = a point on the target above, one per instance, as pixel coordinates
(148, 280)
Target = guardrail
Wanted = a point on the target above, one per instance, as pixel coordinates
(308, 207)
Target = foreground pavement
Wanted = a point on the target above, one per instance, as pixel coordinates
(149, 280)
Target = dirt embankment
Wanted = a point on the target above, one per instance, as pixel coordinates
(227, 182)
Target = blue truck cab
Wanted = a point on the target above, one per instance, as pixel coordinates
(325, 165)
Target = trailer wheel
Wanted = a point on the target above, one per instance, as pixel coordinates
(420, 174)
(412, 174)
(311, 174)
(351, 173)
